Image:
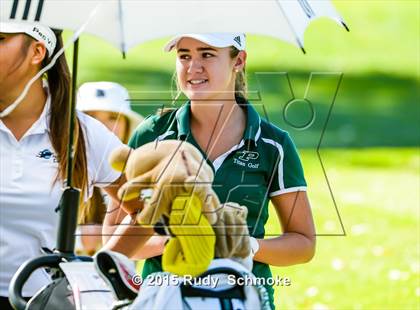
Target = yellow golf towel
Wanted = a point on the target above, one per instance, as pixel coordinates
(191, 249)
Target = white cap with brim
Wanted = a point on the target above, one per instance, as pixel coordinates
(219, 40)
(37, 31)
(107, 96)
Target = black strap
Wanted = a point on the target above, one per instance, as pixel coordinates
(162, 227)
(235, 292)
(226, 304)
(225, 270)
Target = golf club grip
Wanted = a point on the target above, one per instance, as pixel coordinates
(22, 275)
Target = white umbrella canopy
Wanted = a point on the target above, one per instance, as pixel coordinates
(126, 23)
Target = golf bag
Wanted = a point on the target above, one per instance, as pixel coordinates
(217, 288)
(75, 285)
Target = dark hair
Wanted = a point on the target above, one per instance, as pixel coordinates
(59, 81)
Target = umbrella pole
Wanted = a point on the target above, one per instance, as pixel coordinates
(69, 203)
(70, 148)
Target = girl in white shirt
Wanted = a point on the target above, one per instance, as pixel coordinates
(109, 103)
(33, 146)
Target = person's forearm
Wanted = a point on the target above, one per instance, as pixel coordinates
(289, 249)
(113, 218)
(129, 244)
(153, 247)
(91, 237)
(115, 215)
(118, 235)
(127, 238)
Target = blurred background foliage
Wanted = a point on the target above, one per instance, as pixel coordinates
(367, 214)
(377, 101)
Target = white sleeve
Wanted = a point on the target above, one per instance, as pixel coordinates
(100, 142)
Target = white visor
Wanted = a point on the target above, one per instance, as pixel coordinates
(219, 40)
(37, 31)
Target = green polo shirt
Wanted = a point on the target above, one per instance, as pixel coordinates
(263, 165)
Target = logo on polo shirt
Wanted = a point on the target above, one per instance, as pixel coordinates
(248, 157)
(47, 154)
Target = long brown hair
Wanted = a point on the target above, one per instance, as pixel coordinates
(59, 79)
(241, 86)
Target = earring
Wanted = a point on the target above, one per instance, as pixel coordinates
(236, 70)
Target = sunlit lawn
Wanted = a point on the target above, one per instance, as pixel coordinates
(376, 265)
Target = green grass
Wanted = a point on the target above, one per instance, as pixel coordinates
(369, 110)
(376, 265)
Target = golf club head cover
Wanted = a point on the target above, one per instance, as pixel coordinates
(190, 250)
(232, 231)
(118, 272)
(170, 168)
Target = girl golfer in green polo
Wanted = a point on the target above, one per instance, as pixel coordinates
(254, 161)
